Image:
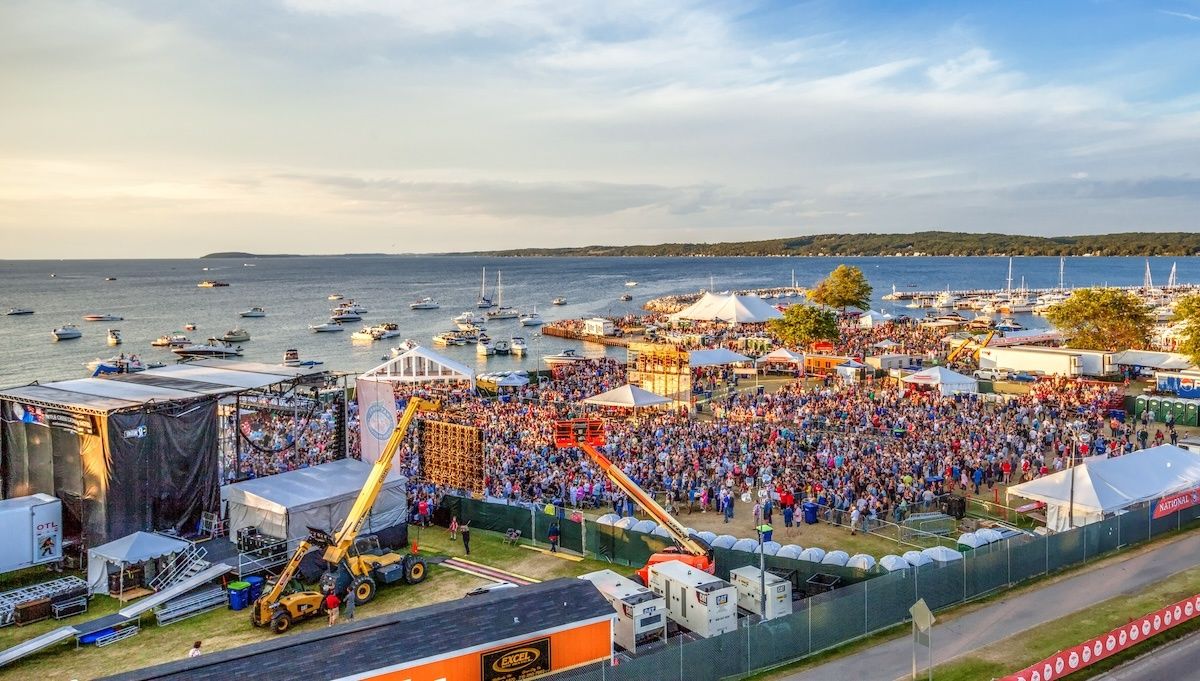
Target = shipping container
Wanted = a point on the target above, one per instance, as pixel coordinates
(30, 531)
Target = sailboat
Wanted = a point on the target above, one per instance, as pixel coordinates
(1171, 282)
(484, 302)
(501, 312)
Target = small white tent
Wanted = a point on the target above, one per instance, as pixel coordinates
(138, 547)
(946, 381)
(871, 318)
(781, 356)
(629, 396)
(1103, 486)
(850, 371)
(729, 307)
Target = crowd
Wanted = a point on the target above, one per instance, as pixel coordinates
(273, 437)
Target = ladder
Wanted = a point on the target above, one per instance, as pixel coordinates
(185, 564)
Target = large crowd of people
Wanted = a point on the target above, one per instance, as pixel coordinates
(274, 436)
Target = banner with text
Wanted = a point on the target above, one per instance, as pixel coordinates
(1176, 502)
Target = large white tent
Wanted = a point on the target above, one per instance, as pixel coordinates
(284, 506)
(714, 357)
(946, 381)
(421, 365)
(1103, 486)
(729, 307)
(629, 396)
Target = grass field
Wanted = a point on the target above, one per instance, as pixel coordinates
(222, 629)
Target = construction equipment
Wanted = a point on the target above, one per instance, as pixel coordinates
(355, 564)
(588, 434)
(969, 342)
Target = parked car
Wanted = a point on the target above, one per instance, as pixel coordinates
(990, 374)
(1024, 377)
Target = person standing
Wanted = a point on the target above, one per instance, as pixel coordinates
(788, 514)
(195, 651)
(465, 531)
(855, 516)
(332, 603)
(453, 527)
(553, 535)
(350, 600)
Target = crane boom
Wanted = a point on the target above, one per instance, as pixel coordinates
(586, 434)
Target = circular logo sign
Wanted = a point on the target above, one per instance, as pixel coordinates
(380, 421)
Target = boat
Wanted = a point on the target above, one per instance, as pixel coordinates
(386, 330)
(559, 301)
(625, 297)
(121, 364)
(450, 338)
(110, 279)
(237, 335)
(1008, 324)
(101, 317)
(532, 319)
(405, 346)
(291, 358)
(174, 340)
(66, 332)
(945, 300)
(326, 328)
(518, 345)
(114, 336)
(483, 346)
(14, 311)
(631, 283)
(248, 264)
(501, 312)
(484, 302)
(425, 303)
(339, 315)
(564, 357)
(254, 312)
(335, 296)
(469, 318)
(212, 283)
(213, 347)
(190, 326)
(364, 334)
(501, 347)
(351, 306)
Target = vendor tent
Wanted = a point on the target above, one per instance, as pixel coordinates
(715, 357)
(729, 307)
(885, 344)
(946, 381)
(871, 318)
(629, 396)
(1163, 361)
(505, 379)
(284, 506)
(1103, 486)
(421, 365)
(129, 550)
(781, 356)
(850, 370)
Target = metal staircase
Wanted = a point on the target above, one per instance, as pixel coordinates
(185, 564)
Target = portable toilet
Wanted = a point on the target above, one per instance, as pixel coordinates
(1165, 406)
(1180, 409)
(1154, 405)
(1139, 405)
(1193, 413)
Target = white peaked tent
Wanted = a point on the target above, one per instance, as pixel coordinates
(132, 549)
(421, 365)
(1104, 486)
(714, 357)
(729, 307)
(781, 356)
(629, 396)
(946, 381)
(871, 318)
(885, 344)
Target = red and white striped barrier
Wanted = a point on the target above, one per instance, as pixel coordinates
(1092, 651)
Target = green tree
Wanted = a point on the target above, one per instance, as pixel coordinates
(1103, 319)
(802, 325)
(844, 287)
(1187, 316)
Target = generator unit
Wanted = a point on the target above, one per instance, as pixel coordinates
(749, 582)
(641, 614)
(697, 601)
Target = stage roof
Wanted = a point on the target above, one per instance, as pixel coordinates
(175, 383)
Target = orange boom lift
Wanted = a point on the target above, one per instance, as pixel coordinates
(588, 434)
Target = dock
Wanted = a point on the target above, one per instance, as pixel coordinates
(559, 332)
(901, 294)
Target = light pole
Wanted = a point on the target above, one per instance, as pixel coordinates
(762, 575)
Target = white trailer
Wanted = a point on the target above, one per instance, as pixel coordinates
(749, 582)
(697, 601)
(1049, 361)
(30, 531)
(641, 613)
(598, 326)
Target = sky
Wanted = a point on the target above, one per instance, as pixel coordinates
(172, 129)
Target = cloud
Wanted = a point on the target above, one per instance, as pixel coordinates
(966, 68)
(1181, 15)
(1148, 188)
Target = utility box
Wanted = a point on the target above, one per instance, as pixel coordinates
(697, 601)
(30, 531)
(641, 613)
(749, 583)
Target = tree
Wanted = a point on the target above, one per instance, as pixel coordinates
(1187, 316)
(844, 287)
(802, 325)
(1103, 319)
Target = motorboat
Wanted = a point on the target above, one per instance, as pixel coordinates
(238, 335)
(625, 297)
(559, 301)
(1008, 324)
(405, 346)
(254, 313)
(945, 300)
(212, 283)
(14, 311)
(484, 302)
(518, 345)
(66, 332)
(213, 347)
(469, 317)
(631, 283)
(326, 328)
(532, 319)
(450, 338)
(110, 279)
(351, 306)
(366, 333)
(291, 358)
(502, 347)
(483, 346)
(173, 340)
(564, 357)
(339, 316)
(386, 330)
(121, 364)
(425, 303)
(101, 317)
(114, 336)
(190, 326)
(335, 296)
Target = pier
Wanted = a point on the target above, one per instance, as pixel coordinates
(900, 294)
(559, 332)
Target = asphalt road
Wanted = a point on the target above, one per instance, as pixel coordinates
(1178, 661)
(998, 620)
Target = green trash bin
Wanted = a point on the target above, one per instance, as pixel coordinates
(1139, 405)
(1153, 405)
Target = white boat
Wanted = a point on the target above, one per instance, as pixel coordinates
(213, 347)
(338, 316)
(335, 296)
(101, 317)
(564, 357)
(405, 346)
(1008, 324)
(366, 333)
(450, 338)
(114, 336)
(631, 283)
(66, 332)
(190, 326)
(518, 345)
(500, 311)
(236, 336)
(484, 302)
(625, 297)
(174, 340)
(532, 319)
(14, 311)
(212, 283)
(254, 312)
(483, 346)
(121, 364)
(425, 303)
(945, 300)
(291, 358)
(469, 317)
(326, 328)
(559, 301)
(386, 330)
(351, 306)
